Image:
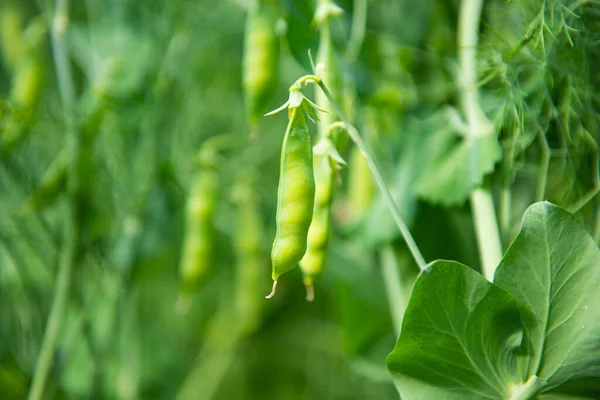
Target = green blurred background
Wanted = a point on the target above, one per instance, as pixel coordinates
(153, 80)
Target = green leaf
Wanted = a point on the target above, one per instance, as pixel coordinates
(458, 337)
(553, 269)
(454, 165)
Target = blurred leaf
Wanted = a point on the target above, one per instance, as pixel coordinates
(454, 165)
(301, 35)
(458, 337)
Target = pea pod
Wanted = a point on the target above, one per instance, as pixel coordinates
(11, 35)
(261, 62)
(296, 194)
(327, 162)
(249, 251)
(197, 255)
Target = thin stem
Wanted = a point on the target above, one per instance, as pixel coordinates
(544, 166)
(357, 31)
(393, 288)
(377, 175)
(585, 199)
(482, 203)
(67, 256)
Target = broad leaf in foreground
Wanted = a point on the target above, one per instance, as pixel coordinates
(553, 269)
(458, 337)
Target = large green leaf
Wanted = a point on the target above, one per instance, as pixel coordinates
(553, 269)
(458, 337)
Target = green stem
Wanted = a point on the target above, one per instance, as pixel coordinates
(357, 31)
(544, 165)
(486, 229)
(67, 256)
(585, 199)
(377, 175)
(393, 288)
(482, 203)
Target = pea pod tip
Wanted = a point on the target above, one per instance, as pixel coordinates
(182, 304)
(270, 295)
(310, 292)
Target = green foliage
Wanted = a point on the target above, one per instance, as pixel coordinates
(96, 169)
(465, 337)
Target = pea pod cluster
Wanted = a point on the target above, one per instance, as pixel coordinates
(327, 161)
(261, 61)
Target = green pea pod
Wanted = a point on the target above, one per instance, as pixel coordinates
(197, 253)
(261, 62)
(11, 35)
(250, 260)
(27, 82)
(327, 162)
(296, 196)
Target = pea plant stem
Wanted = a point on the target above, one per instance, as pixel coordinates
(67, 256)
(357, 31)
(377, 175)
(393, 287)
(482, 203)
(527, 389)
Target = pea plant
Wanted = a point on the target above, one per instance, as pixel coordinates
(436, 186)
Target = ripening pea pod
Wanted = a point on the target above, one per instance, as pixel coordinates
(332, 75)
(11, 35)
(197, 254)
(250, 255)
(296, 195)
(261, 61)
(327, 162)
(28, 73)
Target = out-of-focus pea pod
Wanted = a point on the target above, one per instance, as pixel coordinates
(250, 255)
(332, 75)
(327, 161)
(296, 192)
(197, 254)
(28, 75)
(27, 78)
(261, 61)
(11, 35)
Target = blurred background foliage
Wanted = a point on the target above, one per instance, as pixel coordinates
(153, 80)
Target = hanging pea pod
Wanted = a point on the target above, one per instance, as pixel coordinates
(261, 61)
(327, 162)
(197, 255)
(11, 35)
(296, 191)
(28, 73)
(250, 255)
(295, 198)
